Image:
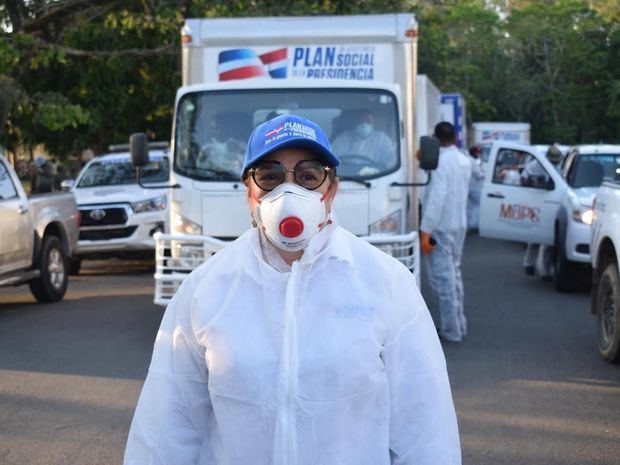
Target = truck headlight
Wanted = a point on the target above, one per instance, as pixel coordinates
(583, 215)
(150, 205)
(182, 225)
(389, 224)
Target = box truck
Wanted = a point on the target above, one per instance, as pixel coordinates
(453, 111)
(239, 72)
(485, 133)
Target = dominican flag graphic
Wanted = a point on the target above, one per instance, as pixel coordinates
(244, 63)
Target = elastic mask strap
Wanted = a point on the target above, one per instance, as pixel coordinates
(324, 196)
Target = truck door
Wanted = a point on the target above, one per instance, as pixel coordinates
(521, 195)
(16, 234)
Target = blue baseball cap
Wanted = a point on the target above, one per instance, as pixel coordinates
(287, 131)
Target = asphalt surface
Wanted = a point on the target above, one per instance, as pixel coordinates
(528, 384)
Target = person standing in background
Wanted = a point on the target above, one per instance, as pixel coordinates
(534, 171)
(475, 189)
(444, 219)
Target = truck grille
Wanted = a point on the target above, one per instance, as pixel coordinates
(94, 216)
(105, 234)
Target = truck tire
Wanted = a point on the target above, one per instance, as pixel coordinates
(74, 264)
(51, 285)
(565, 273)
(608, 314)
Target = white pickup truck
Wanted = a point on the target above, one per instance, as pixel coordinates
(37, 236)
(605, 263)
(120, 216)
(553, 209)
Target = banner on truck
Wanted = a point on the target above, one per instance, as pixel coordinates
(489, 136)
(356, 62)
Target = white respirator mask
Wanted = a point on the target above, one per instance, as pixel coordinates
(291, 215)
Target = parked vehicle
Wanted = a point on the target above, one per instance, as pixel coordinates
(453, 111)
(605, 264)
(239, 72)
(555, 211)
(485, 133)
(37, 236)
(119, 216)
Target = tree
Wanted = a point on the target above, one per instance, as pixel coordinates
(560, 69)
(86, 74)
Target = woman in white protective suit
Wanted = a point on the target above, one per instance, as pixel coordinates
(297, 344)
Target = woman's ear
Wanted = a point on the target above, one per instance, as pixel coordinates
(331, 192)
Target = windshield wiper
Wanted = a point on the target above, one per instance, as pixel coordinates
(221, 175)
(357, 180)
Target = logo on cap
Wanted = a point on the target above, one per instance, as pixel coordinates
(274, 132)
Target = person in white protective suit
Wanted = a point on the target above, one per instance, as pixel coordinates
(535, 174)
(365, 141)
(475, 189)
(299, 343)
(444, 219)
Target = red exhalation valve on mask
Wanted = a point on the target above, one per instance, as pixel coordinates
(291, 227)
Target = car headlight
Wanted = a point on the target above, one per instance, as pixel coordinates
(150, 205)
(583, 215)
(181, 225)
(389, 224)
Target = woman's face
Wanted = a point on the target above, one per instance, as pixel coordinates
(289, 158)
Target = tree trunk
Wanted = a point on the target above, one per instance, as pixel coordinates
(16, 9)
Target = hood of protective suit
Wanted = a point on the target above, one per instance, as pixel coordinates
(336, 362)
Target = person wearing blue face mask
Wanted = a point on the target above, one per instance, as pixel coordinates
(365, 142)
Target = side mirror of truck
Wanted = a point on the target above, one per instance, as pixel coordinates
(139, 148)
(67, 184)
(540, 182)
(429, 153)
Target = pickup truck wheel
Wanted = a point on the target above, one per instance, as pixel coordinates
(565, 274)
(608, 314)
(51, 285)
(75, 264)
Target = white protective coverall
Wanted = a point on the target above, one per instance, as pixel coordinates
(475, 191)
(336, 362)
(444, 216)
(377, 147)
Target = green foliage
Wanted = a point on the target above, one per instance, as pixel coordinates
(77, 74)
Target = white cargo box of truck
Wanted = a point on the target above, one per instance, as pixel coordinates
(484, 134)
(239, 72)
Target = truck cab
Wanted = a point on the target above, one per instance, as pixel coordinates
(209, 162)
(119, 215)
(552, 208)
(37, 236)
(605, 292)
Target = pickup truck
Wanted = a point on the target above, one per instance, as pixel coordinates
(120, 216)
(605, 246)
(555, 210)
(37, 235)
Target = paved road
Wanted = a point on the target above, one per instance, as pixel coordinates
(528, 384)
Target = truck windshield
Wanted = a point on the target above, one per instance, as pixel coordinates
(212, 128)
(115, 171)
(592, 170)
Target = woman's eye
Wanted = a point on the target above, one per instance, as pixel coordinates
(267, 176)
(308, 176)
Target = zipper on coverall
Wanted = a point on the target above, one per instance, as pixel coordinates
(287, 455)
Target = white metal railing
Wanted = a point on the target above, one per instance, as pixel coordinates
(176, 255)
